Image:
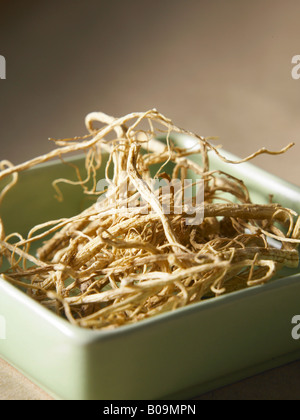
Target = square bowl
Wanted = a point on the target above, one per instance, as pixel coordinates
(176, 355)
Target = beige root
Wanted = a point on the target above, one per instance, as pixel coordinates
(120, 261)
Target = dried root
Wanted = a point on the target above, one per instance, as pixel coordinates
(135, 253)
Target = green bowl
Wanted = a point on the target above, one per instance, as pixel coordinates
(176, 355)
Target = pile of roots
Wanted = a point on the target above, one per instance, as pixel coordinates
(138, 251)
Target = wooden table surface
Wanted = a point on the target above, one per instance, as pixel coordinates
(217, 68)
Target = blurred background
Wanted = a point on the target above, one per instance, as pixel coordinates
(219, 68)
